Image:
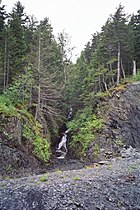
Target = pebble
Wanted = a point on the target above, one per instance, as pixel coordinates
(85, 189)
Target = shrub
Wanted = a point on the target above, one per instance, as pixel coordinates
(137, 77)
(84, 128)
(132, 78)
(6, 107)
(41, 148)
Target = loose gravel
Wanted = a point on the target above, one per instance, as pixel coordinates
(114, 185)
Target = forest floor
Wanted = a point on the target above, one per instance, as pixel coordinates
(110, 185)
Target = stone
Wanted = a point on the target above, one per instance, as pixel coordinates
(103, 162)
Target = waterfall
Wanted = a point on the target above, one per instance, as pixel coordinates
(62, 146)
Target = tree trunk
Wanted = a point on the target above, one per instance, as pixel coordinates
(123, 72)
(39, 77)
(18, 131)
(30, 99)
(100, 83)
(5, 64)
(118, 66)
(111, 69)
(134, 68)
(7, 75)
(105, 85)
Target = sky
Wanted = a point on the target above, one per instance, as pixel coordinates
(78, 18)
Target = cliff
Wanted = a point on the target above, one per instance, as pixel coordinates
(121, 114)
(16, 153)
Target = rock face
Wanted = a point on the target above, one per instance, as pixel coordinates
(16, 157)
(124, 115)
(121, 114)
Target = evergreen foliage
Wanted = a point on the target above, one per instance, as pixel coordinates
(16, 39)
(39, 82)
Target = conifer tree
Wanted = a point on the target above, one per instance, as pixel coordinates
(135, 36)
(3, 43)
(17, 43)
(47, 66)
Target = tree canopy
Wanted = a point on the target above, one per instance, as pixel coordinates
(36, 71)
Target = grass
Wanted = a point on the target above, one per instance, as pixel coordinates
(76, 178)
(109, 167)
(43, 178)
(132, 167)
(58, 171)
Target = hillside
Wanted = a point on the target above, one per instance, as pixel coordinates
(120, 112)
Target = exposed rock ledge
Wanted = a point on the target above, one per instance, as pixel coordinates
(121, 114)
(112, 186)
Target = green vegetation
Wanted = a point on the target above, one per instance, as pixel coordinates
(84, 129)
(41, 148)
(39, 82)
(96, 150)
(76, 178)
(119, 142)
(109, 167)
(6, 108)
(11, 105)
(132, 78)
(131, 168)
(43, 178)
(58, 171)
(137, 76)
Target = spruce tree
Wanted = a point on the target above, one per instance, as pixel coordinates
(3, 43)
(135, 25)
(47, 66)
(17, 43)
